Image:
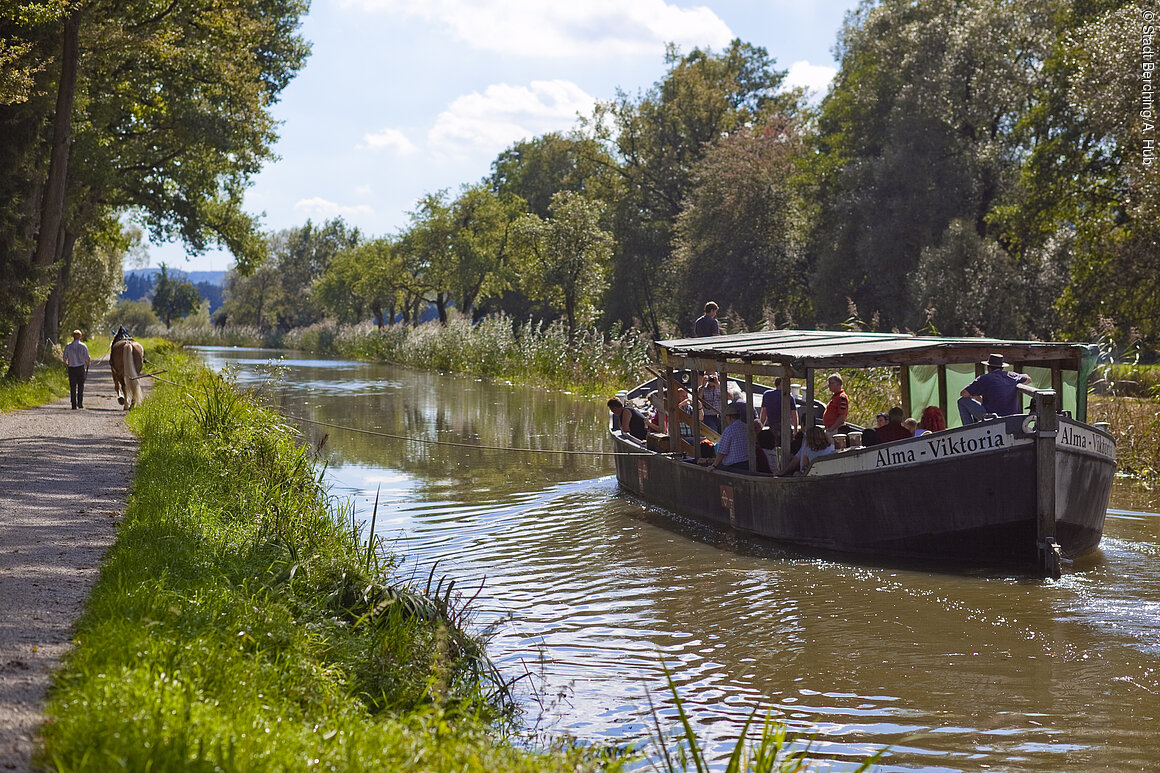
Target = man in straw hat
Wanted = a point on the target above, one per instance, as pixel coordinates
(76, 357)
(997, 390)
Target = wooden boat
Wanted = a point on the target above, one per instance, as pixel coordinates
(1018, 491)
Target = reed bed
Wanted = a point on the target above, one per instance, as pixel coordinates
(242, 621)
(495, 347)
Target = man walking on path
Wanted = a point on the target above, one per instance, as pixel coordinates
(64, 477)
(76, 357)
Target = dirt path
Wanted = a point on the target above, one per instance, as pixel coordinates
(64, 475)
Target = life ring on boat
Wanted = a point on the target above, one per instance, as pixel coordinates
(1029, 424)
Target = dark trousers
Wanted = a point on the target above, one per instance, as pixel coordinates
(970, 411)
(76, 385)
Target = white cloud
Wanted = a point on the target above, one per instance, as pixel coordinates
(388, 139)
(551, 28)
(503, 114)
(814, 77)
(363, 190)
(321, 208)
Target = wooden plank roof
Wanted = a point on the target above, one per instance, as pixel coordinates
(801, 349)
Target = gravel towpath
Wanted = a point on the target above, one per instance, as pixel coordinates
(64, 476)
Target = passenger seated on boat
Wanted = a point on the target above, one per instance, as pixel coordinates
(733, 448)
(997, 390)
(817, 444)
(629, 420)
(767, 444)
(911, 425)
(893, 429)
(932, 420)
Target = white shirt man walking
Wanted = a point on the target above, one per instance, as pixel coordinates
(76, 357)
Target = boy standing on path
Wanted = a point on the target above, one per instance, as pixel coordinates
(76, 357)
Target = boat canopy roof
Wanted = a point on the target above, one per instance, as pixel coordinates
(793, 352)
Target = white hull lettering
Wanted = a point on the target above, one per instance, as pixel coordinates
(1086, 440)
(955, 446)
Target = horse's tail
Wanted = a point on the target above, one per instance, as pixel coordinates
(130, 375)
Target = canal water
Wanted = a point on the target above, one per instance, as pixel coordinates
(589, 595)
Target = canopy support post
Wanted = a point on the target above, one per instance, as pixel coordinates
(749, 428)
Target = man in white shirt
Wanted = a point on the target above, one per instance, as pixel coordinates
(76, 357)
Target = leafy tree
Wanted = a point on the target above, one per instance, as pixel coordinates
(480, 264)
(160, 111)
(657, 140)
(251, 300)
(535, 170)
(301, 255)
(97, 258)
(918, 131)
(1088, 181)
(428, 248)
(739, 234)
(369, 278)
(566, 256)
(173, 298)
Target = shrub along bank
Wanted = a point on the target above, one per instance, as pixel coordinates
(241, 622)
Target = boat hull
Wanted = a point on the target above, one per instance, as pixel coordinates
(974, 502)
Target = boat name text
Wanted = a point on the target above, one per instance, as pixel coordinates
(940, 448)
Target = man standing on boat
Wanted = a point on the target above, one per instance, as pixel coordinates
(707, 324)
(838, 408)
(997, 390)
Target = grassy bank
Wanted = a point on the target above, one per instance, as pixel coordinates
(240, 623)
(49, 382)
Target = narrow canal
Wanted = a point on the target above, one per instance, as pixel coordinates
(590, 594)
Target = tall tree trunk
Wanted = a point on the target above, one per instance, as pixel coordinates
(52, 211)
(54, 309)
(441, 307)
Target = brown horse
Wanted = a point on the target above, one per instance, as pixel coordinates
(127, 358)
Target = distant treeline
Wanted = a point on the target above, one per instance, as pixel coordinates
(139, 287)
(977, 167)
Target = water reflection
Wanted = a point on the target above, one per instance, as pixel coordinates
(588, 590)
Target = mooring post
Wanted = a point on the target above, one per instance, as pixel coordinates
(1046, 429)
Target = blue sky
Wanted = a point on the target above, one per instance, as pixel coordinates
(404, 97)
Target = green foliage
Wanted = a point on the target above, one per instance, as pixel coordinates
(136, 316)
(96, 264)
(174, 298)
(918, 131)
(237, 623)
(656, 140)
(168, 115)
(565, 257)
(740, 233)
